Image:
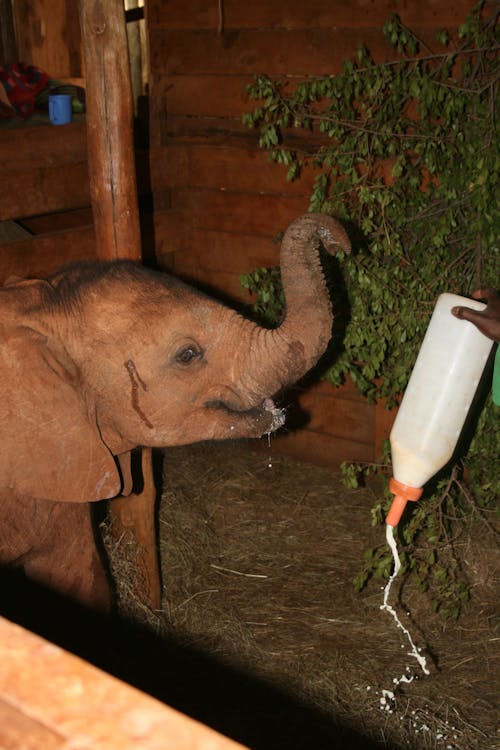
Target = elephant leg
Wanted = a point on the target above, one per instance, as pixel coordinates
(55, 545)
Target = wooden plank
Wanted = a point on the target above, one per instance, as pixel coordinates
(227, 233)
(273, 51)
(341, 426)
(8, 41)
(344, 426)
(332, 414)
(229, 132)
(50, 189)
(210, 249)
(245, 213)
(42, 146)
(47, 36)
(10, 231)
(212, 96)
(40, 256)
(323, 389)
(56, 693)
(217, 131)
(224, 168)
(292, 14)
(320, 448)
(59, 222)
(223, 285)
(43, 168)
(19, 731)
(171, 233)
(62, 187)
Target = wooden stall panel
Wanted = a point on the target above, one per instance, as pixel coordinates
(290, 14)
(342, 426)
(272, 51)
(50, 700)
(20, 732)
(320, 448)
(248, 213)
(43, 169)
(214, 251)
(49, 189)
(225, 168)
(39, 257)
(339, 411)
(42, 146)
(48, 36)
(201, 95)
(222, 232)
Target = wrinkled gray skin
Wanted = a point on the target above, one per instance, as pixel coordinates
(100, 359)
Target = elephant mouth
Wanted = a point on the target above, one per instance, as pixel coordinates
(267, 415)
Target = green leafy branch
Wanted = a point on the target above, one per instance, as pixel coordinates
(406, 153)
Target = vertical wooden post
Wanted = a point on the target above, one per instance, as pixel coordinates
(113, 192)
(113, 188)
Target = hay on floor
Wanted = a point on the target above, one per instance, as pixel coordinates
(257, 565)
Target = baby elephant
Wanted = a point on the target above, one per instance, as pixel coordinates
(104, 357)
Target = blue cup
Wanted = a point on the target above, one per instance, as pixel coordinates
(60, 111)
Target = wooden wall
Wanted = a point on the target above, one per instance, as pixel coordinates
(218, 202)
(48, 36)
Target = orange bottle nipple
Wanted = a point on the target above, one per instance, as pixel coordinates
(402, 493)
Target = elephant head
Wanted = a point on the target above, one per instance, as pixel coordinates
(104, 357)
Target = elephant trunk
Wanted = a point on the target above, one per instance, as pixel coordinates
(286, 353)
(309, 317)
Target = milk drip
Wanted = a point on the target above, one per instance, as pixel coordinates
(437, 400)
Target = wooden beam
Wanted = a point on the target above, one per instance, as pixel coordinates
(51, 700)
(8, 42)
(37, 257)
(110, 142)
(113, 192)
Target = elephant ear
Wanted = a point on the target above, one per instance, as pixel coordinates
(51, 445)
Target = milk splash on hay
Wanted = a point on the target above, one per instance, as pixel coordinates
(387, 699)
(279, 418)
(270, 458)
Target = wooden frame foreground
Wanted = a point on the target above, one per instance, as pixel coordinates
(53, 700)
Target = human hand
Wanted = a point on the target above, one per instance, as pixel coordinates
(487, 320)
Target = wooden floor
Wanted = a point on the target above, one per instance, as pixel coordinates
(50, 700)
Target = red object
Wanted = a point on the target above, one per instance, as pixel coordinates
(22, 83)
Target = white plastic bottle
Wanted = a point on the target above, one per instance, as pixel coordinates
(436, 401)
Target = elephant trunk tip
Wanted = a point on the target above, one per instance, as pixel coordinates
(322, 227)
(332, 234)
(332, 241)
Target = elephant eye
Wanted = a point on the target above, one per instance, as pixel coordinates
(188, 354)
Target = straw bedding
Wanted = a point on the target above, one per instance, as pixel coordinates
(257, 565)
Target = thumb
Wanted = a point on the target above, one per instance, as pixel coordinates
(465, 313)
(482, 321)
